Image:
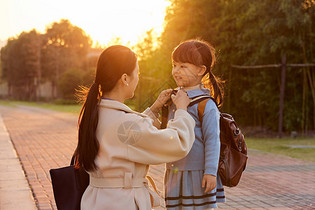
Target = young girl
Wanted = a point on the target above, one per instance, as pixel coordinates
(193, 182)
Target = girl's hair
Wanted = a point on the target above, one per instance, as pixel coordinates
(200, 53)
(112, 64)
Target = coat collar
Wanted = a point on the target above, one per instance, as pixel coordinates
(112, 104)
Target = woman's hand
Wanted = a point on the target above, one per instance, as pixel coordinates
(181, 100)
(209, 181)
(164, 96)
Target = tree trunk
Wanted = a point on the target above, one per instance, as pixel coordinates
(229, 91)
(311, 83)
(313, 77)
(304, 102)
(39, 71)
(282, 90)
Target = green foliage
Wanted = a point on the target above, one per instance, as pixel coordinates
(65, 47)
(20, 64)
(88, 77)
(246, 32)
(155, 69)
(263, 32)
(69, 82)
(32, 58)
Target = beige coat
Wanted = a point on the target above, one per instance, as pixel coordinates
(129, 143)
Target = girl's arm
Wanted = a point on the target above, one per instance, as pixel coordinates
(211, 134)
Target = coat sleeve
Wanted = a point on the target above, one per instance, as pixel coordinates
(156, 121)
(154, 146)
(211, 134)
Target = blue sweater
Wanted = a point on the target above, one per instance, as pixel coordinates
(205, 152)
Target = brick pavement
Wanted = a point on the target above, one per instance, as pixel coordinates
(45, 139)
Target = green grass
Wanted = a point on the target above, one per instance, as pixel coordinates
(282, 147)
(74, 109)
(7, 103)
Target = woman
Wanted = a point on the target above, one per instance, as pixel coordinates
(116, 144)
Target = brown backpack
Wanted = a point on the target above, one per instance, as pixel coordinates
(233, 151)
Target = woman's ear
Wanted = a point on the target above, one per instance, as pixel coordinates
(202, 70)
(124, 79)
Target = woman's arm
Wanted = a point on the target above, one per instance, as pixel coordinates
(153, 116)
(153, 111)
(154, 146)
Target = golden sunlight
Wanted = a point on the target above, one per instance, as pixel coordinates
(125, 19)
(103, 20)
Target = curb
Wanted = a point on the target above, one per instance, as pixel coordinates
(15, 192)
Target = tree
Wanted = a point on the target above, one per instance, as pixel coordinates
(32, 58)
(262, 32)
(69, 81)
(65, 47)
(21, 66)
(248, 32)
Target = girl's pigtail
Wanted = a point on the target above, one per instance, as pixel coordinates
(216, 88)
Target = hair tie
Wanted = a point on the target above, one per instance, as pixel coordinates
(95, 86)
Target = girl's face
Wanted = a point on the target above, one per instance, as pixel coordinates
(186, 74)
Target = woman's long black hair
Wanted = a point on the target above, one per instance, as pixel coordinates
(200, 53)
(112, 64)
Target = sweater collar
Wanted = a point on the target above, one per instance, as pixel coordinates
(112, 104)
(195, 91)
(198, 92)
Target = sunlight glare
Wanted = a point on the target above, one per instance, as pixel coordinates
(103, 20)
(125, 19)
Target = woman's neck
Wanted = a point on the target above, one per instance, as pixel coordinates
(114, 95)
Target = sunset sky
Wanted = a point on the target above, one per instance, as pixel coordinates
(101, 19)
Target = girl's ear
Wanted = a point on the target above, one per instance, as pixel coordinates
(202, 70)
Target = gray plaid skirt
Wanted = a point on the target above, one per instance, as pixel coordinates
(183, 191)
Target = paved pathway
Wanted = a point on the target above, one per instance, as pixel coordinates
(45, 139)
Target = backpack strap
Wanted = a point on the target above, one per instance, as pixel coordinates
(201, 108)
(202, 100)
(198, 99)
(164, 117)
(202, 105)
